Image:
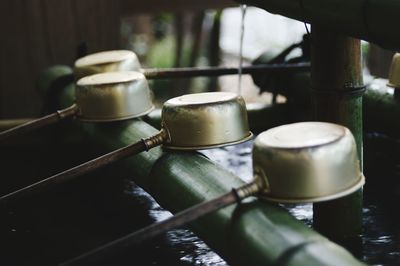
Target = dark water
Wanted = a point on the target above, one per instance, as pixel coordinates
(189, 249)
(381, 237)
(67, 221)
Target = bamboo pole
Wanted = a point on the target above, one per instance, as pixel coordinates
(337, 83)
(381, 110)
(250, 233)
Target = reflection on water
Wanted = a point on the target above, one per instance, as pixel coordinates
(380, 238)
(302, 212)
(381, 243)
(193, 250)
(236, 159)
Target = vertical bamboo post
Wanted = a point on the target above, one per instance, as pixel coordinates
(337, 97)
(214, 51)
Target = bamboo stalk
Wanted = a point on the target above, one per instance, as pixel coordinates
(336, 80)
(381, 111)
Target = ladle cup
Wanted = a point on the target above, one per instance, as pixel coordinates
(394, 72)
(102, 97)
(189, 122)
(301, 162)
(106, 61)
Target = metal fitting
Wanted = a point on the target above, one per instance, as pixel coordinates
(155, 140)
(69, 111)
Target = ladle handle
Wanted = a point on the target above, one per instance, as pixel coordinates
(114, 156)
(40, 122)
(179, 219)
(186, 72)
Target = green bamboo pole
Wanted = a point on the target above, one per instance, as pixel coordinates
(371, 20)
(55, 84)
(337, 81)
(381, 110)
(251, 233)
(50, 75)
